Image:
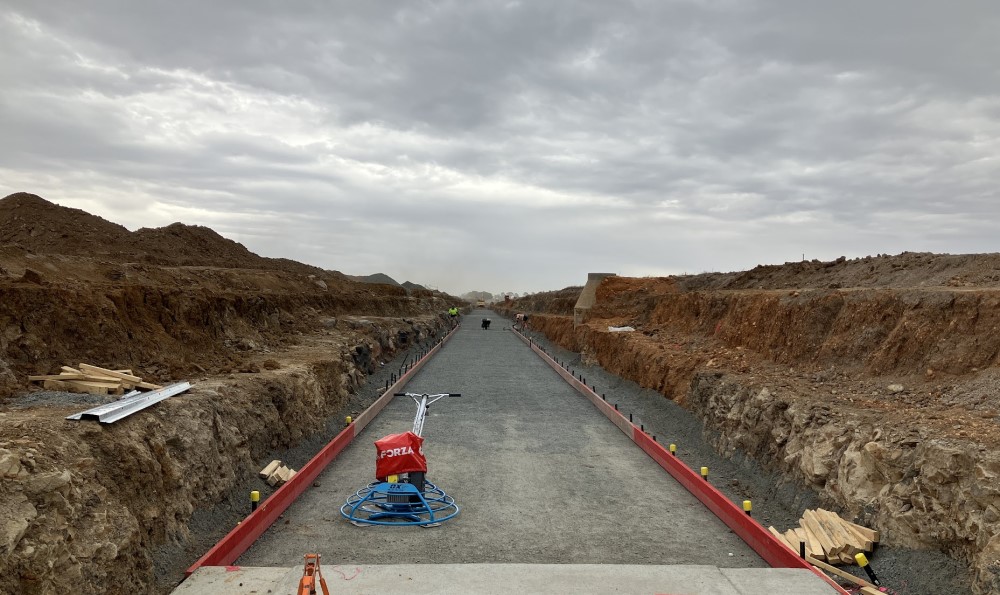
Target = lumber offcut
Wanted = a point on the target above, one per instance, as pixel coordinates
(269, 469)
(94, 380)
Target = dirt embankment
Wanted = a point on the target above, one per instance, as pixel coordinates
(883, 400)
(273, 348)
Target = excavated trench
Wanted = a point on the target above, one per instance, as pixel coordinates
(881, 403)
(126, 507)
(792, 383)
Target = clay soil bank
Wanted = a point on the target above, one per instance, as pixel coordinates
(277, 351)
(871, 382)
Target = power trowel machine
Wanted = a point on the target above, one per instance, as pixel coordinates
(401, 494)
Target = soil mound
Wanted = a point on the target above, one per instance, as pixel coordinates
(909, 269)
(33, 223)
(380, 278)
(29, 221)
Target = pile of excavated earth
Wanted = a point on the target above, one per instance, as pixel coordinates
(273, 348)
(871, 382)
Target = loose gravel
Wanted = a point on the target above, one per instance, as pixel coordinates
(776, 500)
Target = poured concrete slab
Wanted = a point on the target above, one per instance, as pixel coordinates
(469, 579)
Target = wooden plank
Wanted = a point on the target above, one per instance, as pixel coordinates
(148, 385)
(830, 548)
(811, 548)
(269, 469)
(63, 376)
(813, 544)
(99, 378)
(793, 540)
(868, 544)
(284, 474)
(111, 388)
(781, 538)
(835, 526)
(105, 372)
(98, 383)
(864, 531)
(125, 371)
(70, 370)
(842, 574)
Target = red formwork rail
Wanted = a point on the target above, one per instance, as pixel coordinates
(750, 531)
(239, 540)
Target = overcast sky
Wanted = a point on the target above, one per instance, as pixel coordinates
(515, 145)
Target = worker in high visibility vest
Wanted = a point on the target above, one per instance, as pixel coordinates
(453, 312)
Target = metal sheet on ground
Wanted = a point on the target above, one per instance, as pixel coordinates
(540, 474)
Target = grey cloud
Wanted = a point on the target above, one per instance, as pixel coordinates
(654, 136)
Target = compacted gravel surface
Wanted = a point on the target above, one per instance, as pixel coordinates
(541, 477)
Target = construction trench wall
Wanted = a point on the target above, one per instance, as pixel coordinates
(923, 487)
(87, 507)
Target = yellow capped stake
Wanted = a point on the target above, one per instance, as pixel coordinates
(704, 473)
(254, 500)
(862, 561)
(673, 449)
(747, 507)
(348, 420)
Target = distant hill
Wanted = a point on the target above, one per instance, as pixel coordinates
(31, 222)
(413, 286)
(381, 278)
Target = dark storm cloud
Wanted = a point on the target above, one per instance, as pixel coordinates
(643, 137)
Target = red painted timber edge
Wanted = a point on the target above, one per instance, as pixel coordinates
(239, 540)
(750, 531)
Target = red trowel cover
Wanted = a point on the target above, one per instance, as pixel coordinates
(399, 453)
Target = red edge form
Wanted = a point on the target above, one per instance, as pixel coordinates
(753, 533)
(239, 540)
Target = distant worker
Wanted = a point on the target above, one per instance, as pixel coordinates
(453, 313)
(519, 321)
(486, 324)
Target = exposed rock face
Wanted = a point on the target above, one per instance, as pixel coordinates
(84, 504)
(882, 400)
(921, 491)
(7, 379)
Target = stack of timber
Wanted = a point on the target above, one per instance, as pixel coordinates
(93, 380)
(276, 473)
(828, 537)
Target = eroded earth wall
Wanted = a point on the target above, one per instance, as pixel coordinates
(86, 505)
(882, 400)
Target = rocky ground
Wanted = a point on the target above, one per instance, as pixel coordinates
(274, 350)
(872, 382)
